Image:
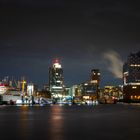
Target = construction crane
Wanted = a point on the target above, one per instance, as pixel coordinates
(23, 83)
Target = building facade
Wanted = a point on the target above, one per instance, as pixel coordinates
(95, 77)
(56, 79)
(90, 89)
(131, 69)
(131, 77)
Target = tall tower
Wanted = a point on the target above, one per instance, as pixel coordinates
(56, 80)
(131, 78)
(131, 69)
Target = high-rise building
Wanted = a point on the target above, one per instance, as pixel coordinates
(90, 89)
(131, 77)
(95, 76)
(56, 79)
(131, 69)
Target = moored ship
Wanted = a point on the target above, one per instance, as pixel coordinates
(3, 88)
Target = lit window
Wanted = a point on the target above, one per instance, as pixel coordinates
(134, 87)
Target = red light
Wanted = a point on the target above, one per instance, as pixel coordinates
(3, 84)
(56, 61)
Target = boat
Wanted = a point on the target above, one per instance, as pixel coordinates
(3, 88)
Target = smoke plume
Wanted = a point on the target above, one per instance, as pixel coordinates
(115, 63)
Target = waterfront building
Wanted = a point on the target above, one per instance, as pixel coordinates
(56, 80)
(131, 69)
(31, 89)
(73, 90)
(131, 77)
(90, 89)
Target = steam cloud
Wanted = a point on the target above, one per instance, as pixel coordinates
(115, 63)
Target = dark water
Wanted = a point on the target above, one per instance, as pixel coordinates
(114, 122)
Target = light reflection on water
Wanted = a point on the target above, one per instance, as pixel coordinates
(50, 126)
(56, 123)
(70, 122)
(23, 122)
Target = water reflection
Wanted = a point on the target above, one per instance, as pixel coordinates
(23, 122)
(56, 123)
(43, 122)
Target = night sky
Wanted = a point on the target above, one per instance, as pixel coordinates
(86, 35)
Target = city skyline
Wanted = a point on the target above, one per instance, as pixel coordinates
(69, 69)
(79, 34)
(118, 73)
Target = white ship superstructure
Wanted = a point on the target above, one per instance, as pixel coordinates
(3, 88)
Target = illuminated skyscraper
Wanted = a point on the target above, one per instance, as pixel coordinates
(131, 78)
(131, 69)
(56, 80)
